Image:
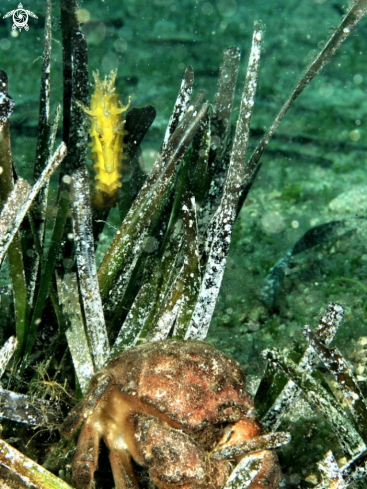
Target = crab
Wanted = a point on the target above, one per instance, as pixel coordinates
(168, 406)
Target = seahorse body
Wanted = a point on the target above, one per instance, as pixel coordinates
(107, 133)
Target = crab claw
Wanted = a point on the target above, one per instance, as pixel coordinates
(241, 437)
(236, 433)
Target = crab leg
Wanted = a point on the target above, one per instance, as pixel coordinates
(120, 441)
(86, 456)
(123, 473)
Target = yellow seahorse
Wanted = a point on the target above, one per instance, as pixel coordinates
(107, 133)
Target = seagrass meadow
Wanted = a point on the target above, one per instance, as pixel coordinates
(194, 213)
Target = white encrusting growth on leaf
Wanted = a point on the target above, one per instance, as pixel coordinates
(6, 352)
(21, 199)
(220, 228)
(75, 334)
(32, 474)
(87, 270)
(244, 473)
(332, 478)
